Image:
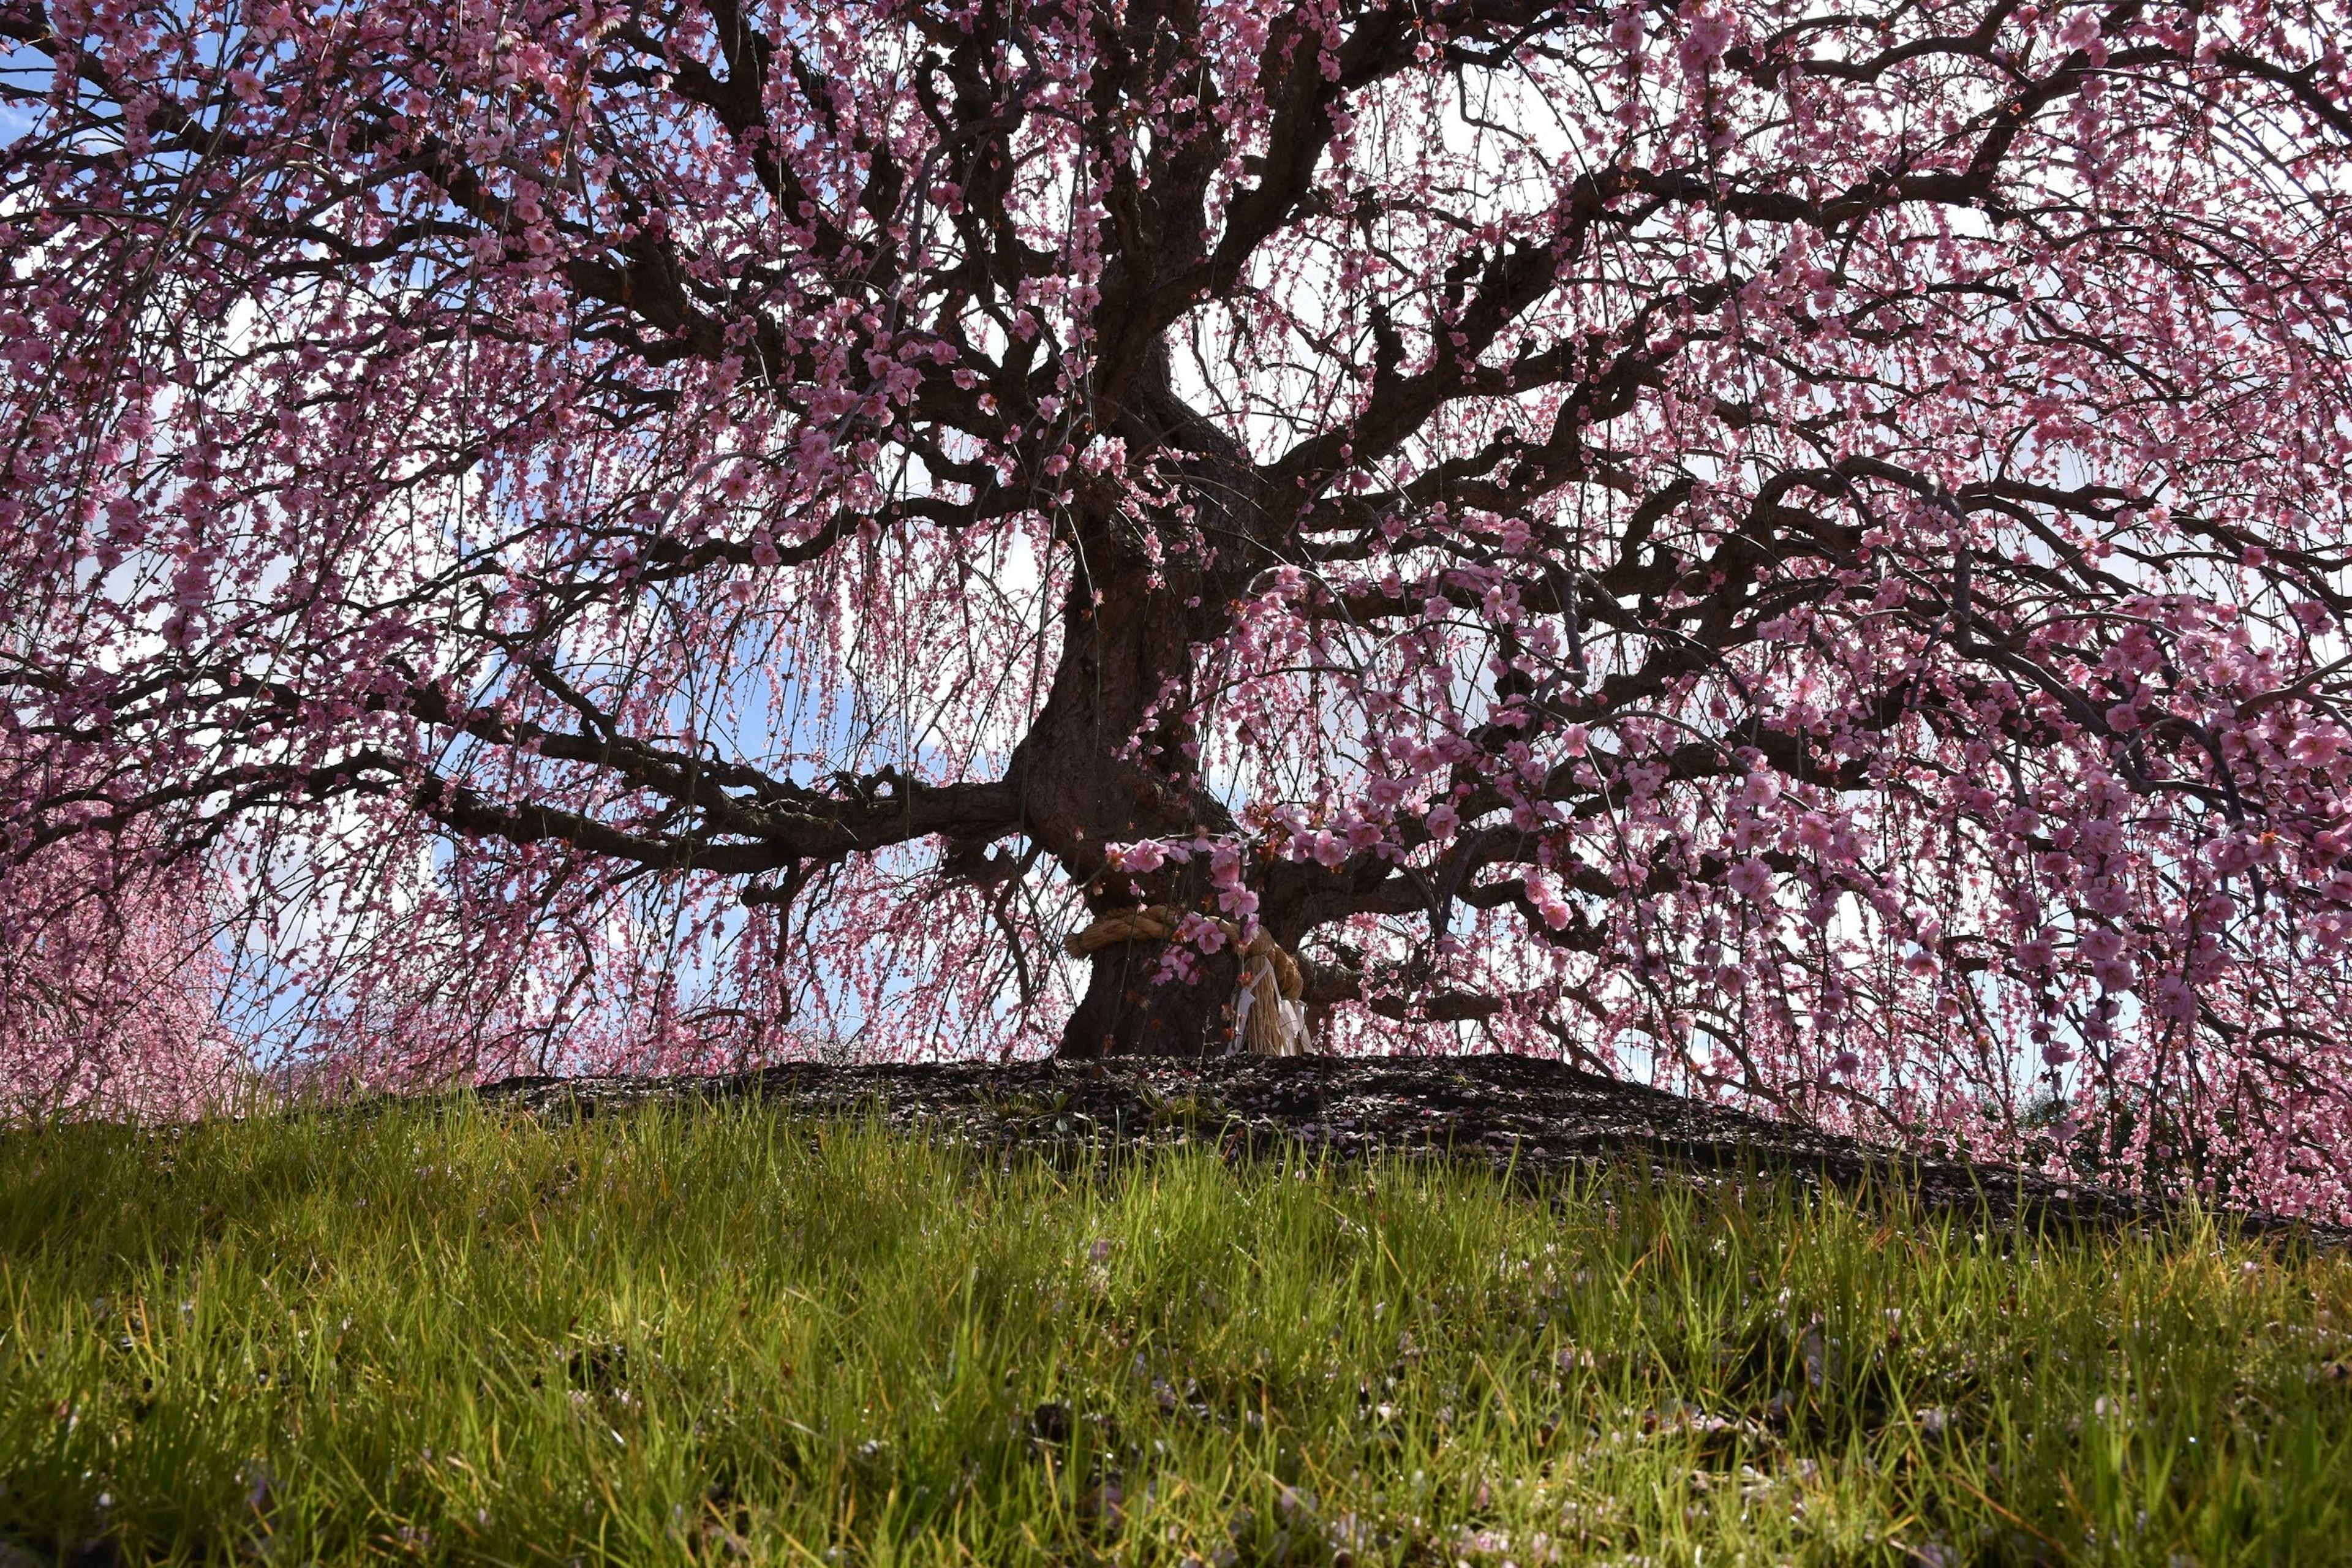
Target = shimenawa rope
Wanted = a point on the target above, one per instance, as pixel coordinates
(1268, 1018)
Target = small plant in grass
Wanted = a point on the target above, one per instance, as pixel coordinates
(729, 1336)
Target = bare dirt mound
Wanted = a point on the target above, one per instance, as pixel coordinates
(1534, 1118)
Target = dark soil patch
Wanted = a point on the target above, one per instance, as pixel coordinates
(1537, 1119)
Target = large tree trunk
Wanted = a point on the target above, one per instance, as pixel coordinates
(1128, 1011)
(1085, 783)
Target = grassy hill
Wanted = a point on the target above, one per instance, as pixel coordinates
(738, 1335)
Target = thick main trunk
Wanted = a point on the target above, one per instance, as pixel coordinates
(1109, 757)
(1128, 1011)
(1085, 783)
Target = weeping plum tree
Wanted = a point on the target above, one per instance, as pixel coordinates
(1799, 549)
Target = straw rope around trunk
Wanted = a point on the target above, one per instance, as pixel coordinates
(1268, 1017)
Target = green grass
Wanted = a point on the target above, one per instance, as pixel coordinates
(724, 1336)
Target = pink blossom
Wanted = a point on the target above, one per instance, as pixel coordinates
(1199, 932)
(1145, 857)
(1752, 881)
(2233, 854)
(1707, 32)
(2315, 748)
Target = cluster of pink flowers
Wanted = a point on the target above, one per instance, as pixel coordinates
(109, 988)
